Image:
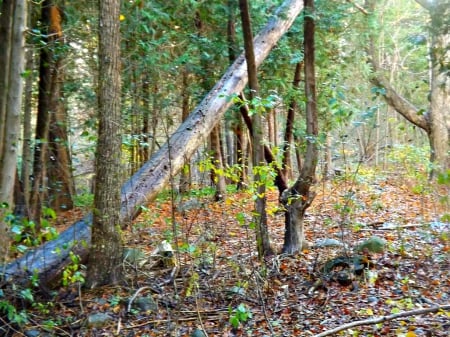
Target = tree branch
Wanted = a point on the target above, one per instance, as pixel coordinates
(358, 7)
(395, 100)
(376, 320)
(280, 178)
(425, 4)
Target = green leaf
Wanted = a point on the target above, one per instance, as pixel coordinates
(21, 248)
(240, 217)
(234, 321)
(16, 229)
(444, 178)
(395, 310)
(241, 308)
(27, 294)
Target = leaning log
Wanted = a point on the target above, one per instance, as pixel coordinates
(47, 261)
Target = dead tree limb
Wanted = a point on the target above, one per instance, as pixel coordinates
(376, 320)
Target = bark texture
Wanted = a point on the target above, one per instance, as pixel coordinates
(300, 196)
(60, 178)
(290, 118)
(14, 89)
(6, 173)
(105, 258)
(6, 21)
(153, 176)
(39, 186)
(440, 83)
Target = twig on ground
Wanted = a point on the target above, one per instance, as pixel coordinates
(199, 315)
(382, 319)
(263, 304)
(134, 297)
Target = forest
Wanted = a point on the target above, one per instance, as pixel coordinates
(226, 168)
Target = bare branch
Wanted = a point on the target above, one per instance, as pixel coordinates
(359, 7)
(392, 97)
(376, 320)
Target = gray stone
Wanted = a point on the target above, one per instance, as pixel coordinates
(198, 333)
(98, 320)
(373, 244)
(372, 299)
(328, 243)
(134, 255)
(189, 205)
(32, 333)
(146, 303)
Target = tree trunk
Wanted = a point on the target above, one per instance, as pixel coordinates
(154, 175)
(6, 22)
(271, 121)
(236, 123)
(6, 190)
(105, 258)
(27, 153)
(289, 130)
(280, 179)
(328, 170)
(60, 178)
(241, 153)
(145, 148)
(185, 174)
(14, 88)
(155, 119)
(440, 84)
(299, 197)
(216, 149)
(38, 193)
(260, 217)
(52, 183)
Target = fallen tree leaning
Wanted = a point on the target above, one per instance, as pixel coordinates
(47, 261)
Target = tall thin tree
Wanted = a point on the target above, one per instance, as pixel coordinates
(290, 118)
(262, 233)
(59, 172)
(11, 101)
(38, 188)
(104, 265)
(299, 196)
(52, 184)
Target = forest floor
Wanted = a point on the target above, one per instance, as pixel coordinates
(215, 279)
